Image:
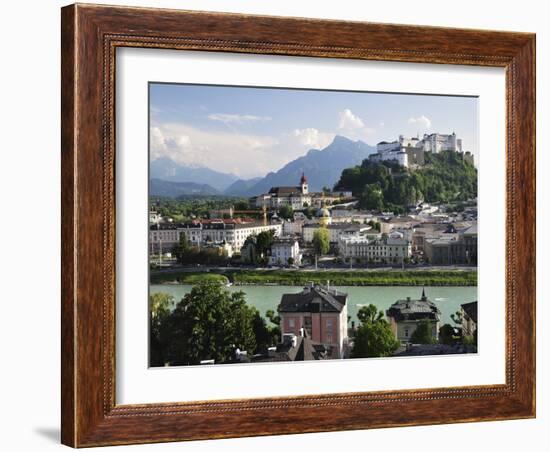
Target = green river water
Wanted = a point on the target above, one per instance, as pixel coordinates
(448, 299)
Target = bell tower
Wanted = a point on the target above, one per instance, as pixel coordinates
(303, 184)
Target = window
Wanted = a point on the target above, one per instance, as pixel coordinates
(291, 323)
(406, 332)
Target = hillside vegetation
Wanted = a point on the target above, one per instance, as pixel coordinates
(445, 177)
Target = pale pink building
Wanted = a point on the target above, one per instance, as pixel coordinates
(321, 312)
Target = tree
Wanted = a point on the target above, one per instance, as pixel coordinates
(423, 333)
(373, 337)
(160, 305)
(374, 225)
(211, 323)
(264, 242)
(447, 335)
(457, 318)
(372, 197)
(321, 241)
(182, 249)
(241, 205)
(286, 212)
(445, 176)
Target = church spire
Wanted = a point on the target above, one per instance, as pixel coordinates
(423, 294)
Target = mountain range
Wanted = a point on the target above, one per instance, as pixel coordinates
(322, 168)
(159, 187)
(168, 170)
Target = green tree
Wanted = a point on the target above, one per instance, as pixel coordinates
(373, 337)
(182, 249)
(321, 241)
(423, 333)
(447, 335)
(210, 323)
(264, 242)
(241, 205)
(445, 176)
(372, 197)
(286, 212)
(160, 306)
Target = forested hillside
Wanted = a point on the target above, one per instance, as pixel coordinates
(388, 186)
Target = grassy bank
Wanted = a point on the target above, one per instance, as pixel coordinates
(188, 278)
(359, 278)
(337, 278)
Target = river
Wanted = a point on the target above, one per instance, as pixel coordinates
(447, 299)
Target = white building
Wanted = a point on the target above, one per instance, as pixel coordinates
(295, 197)
(293, 227)
(410, 151)
(392, 249)
(335, 231)
(283, 250)
(298, 197)
(437, 142)
(232, 232)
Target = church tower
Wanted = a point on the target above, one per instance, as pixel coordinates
(303, 184)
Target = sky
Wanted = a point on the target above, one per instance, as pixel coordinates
(250, 131)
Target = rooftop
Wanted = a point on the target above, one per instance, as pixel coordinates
(409, 309)
(313, 299)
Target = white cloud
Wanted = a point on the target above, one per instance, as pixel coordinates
(348, 120)
(313, 138)
(237, 119)
(421, 121)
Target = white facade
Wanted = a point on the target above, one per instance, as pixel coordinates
(398, 155)
(396, 150)
(391, 250)
(197, 234)
(336, 231)
(293, 227)
(284, 249)
(437, 142)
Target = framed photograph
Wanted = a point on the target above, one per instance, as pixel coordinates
(282, 225)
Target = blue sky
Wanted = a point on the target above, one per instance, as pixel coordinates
(250, 131)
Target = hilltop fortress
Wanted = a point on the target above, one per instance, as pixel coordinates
(410, 151)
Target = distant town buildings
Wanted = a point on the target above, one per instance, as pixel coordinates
(453, 247)
(336, 231)
(405, 316)
(233, 232)
(320, 313)
(297, 197)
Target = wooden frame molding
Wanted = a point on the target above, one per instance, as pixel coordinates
(90, 36)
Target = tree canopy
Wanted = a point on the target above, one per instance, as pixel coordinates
(321, 241)
(445, 177)
(423, 334)
(208, 323)
(374, 337)
(160, 306)
(286, 212)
